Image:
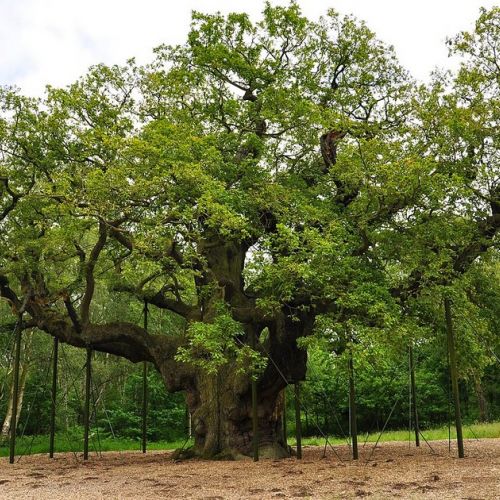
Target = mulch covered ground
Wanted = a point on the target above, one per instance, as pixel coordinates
(395, 471)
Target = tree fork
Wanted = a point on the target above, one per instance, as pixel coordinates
(414, 396)
(53, 398)
(17, 361)
(454, 376)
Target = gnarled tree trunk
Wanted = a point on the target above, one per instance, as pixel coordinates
(222, 418)
(221, 404)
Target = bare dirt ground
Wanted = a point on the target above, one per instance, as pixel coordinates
(395, 471)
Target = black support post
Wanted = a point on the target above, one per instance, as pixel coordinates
(255, 417)
(255, 424)
(144, 405)
(414, 397)
(145, 388)
(454, 376)
(86, 408)
(54, 397)
(15, 395)
(285, 436)
(298, 423)
(352, 406)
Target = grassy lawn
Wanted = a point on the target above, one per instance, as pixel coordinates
(73, 441)
(491, 430)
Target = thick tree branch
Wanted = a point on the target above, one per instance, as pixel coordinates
(177, 306)
(488, 228)
(73, 316)
(7, 293)
(89, 273)
(122, 339)
(121, 237)
(159, 300)
(15, 197)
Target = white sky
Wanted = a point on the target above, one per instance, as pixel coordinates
(55, 41)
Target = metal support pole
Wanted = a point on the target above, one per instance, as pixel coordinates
(145, 387)
(86, 407)
(285, 433)
(144, 405)
(255, 423)
(414, 397)
(352, 407)
(255, 417)
(449, 403)
(298, 423)
(454, 376)
(15, 395)
(54, 396)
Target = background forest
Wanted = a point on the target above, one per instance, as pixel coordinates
(381, 373)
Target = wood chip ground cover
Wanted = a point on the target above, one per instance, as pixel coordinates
(395, 471)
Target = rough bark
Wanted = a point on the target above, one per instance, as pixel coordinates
(221, 404)
(6, 426)
(481, 400)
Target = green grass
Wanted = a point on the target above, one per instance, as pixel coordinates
(491, 430)
(72, 441)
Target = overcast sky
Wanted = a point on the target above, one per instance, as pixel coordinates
(55, 41)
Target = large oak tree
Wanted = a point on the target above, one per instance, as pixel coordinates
(256, 177)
